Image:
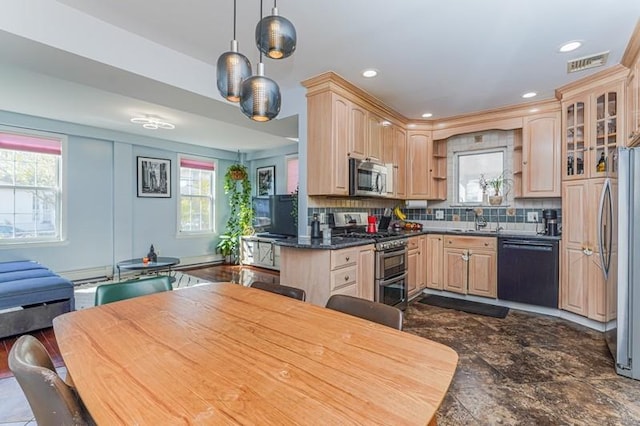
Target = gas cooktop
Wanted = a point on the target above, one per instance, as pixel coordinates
(378, 236)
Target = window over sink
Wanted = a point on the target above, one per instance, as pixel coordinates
(470, 166)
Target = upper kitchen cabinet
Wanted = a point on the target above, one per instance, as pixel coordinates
(345, 122)
(327, 143)
(631, 60)
(365, 134)
(419, 150)
(394, 152)
(593, 124)
(426, 166)
(537, 156)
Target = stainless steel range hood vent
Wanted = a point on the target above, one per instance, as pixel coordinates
(587, 62)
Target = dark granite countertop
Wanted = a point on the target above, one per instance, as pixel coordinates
(338, 242)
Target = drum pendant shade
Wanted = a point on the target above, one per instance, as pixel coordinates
(232, 67)
(276, 36)
(260, 97)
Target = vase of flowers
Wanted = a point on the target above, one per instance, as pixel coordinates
(495, 185)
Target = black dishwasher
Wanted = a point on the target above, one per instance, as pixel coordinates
(528, 271)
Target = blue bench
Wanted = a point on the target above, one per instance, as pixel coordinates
(31, 295)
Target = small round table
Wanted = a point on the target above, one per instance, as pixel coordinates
(137, 265)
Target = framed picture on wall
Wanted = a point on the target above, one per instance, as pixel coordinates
(154, 177)
(266, 181)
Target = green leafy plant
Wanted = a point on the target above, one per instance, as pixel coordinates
(238, 187)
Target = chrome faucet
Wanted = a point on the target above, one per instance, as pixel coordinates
(481, 222)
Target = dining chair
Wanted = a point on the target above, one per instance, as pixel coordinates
(52, 401)
(293, 292)
(372, 311)
(107, 293)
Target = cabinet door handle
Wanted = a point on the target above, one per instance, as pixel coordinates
(524, 162)
(346, 277)
(587, 251)
(486, 244)
(347, 258)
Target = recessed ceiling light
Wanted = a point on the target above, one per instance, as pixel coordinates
(293, 139)
(427, 115)
(529, 95)
(369, 73)
(570, 46)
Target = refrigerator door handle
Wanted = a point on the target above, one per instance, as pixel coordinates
(606, 191)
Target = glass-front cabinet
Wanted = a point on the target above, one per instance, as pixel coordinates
(591, 133)
(575, 138)
(606, 140)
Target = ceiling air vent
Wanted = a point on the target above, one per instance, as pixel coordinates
(586, 62)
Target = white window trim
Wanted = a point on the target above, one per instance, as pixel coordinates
(196, 234)
(456, 164)
(64, 143)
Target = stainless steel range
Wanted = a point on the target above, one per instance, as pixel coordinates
(391, 286)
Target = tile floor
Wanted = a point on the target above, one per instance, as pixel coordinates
(523, 369)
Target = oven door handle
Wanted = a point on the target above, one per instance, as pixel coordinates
(393, 279)
(391, 253)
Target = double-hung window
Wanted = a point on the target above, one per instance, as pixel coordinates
(30, 188)
(197, 183)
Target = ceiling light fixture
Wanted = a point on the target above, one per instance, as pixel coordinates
(153, 123)
(529, 95)
(427, 115)
(276, 35)
(369, 73)
(259, 95)
(232, 68)
(570, 46)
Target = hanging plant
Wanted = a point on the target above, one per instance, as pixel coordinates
(240, 211)
(237, 172)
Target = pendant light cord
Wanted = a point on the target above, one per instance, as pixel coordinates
(260, 29)
(234, 19)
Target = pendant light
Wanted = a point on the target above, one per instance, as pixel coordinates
(276, 35)
(259, 95)
(233, 67)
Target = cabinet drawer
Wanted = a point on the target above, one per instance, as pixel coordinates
(344, 257)
(471, 242)
(350, 290)
(343, 277)
(413, 243)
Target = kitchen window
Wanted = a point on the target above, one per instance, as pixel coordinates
(197, 180)
(30, 187)
(471, 166)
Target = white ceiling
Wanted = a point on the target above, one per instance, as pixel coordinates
(99, 62)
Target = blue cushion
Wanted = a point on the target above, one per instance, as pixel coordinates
(20, 265)
(29, 283)
(21, 275)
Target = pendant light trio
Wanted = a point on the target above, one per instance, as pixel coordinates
(259, 96)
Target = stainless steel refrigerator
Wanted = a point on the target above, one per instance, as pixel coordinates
(620, 251)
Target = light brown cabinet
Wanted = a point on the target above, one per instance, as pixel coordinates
(435, 244)
(470, 265)
(358, 131)
(536, 159)
(328, 135)
(365, 134)
(593, 131)
(394, 152)
(427, 166)
(322, 273)
(582, 288)
(416, 265)
(632, 91)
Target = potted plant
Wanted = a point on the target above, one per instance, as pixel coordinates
(497, 184)
(240, 211)
(237, 172)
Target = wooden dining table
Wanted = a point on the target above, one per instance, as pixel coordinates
(228, 354)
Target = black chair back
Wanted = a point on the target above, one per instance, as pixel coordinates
(293, 292)
(372, 311)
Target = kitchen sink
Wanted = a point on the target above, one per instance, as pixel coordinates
(472, 231)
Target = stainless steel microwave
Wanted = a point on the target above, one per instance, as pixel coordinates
(370, 179)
